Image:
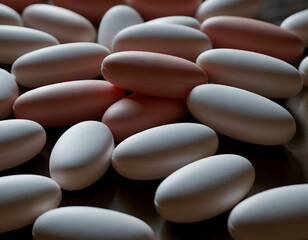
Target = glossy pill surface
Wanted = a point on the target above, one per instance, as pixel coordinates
(181, 20)
(8, 16)
(204, 189)
(303, 68)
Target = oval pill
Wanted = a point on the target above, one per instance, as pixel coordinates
(303, 68)
(8, 16)
(181, 20)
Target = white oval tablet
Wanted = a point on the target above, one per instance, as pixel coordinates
(114, 20)
(172, 39)
(181, 20)
(157, 152)
(303, 68)
(81, 155)
(20, 140)
(298, 23)
(204, 189)
(67, 26)
(16, 41)
(241, 115)
(277, 214)
(8, 93)
(91, 223)
(24, 198)
(255, 72)
(61, 63)
(8, 16)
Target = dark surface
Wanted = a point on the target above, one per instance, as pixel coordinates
(275, 166)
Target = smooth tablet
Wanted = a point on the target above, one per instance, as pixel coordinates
(150, 9)
(8, 16)
(153, 74)
(19, 5)
(298, 23)
(16, 41)
(253, 35)
(20, 141)
(173, 39)
(204, 189)
(277, 214)
(181, 20)
(24, 198)
(65, 25)
(242, 8)
(67, 103)
(61, 63)
(91, 223)
(255, 72)
(157, 152)
(241, 115)
(8, 93)
(114, 20)
(303, 68)
(136, 113)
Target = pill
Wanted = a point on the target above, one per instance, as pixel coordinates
(255, 72)
(91, 223)
(67, 103)
(65, 25)
(298, 23)
(253, 35)
(303, 68)
(243, 8)
(150, 9)
(19, 5)
(278, 213)
(16, 41)
(173, 39)
(93, 10)
(114, 20)
(136, 113)
(157, 152)
(8, 93)
(241, 114)
(152, 74)
(20, 141)
(81, 155)
(204, 189)
(65, 62)
(24, 197)
(182, 20)
(8, 16)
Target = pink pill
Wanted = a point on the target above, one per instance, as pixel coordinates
(19, 5)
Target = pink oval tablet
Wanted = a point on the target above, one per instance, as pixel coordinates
(67, 103)
(152, 74)
(253, 35)
(136, 113)
(19, 5)
(150, 9)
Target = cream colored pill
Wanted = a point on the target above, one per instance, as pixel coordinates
(91, 223)
(204, 189)
(276, 214)
(241, 115)
(172, 39)
(24, 198)
(20, 141)
(303, 68)
(65, 62)
(8, 16)
(114, 20)
(65, 25)
(8, 93)
(181, 20)
(157, 152)
(81, 155)
(255, 72)
(16, 41)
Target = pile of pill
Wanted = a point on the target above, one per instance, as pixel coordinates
(146, 88)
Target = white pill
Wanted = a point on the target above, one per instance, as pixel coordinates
(114, 20)
(204, 189)
(24, 198)
(157, 152)
(241, 115)
(277, 214)
(8, 93)
(61, 63)
(16, 41)
(303, 68)
(20, 141)
(255, 72)
(8, 16)
(91, 223)
(81, 155)
(181, 20)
